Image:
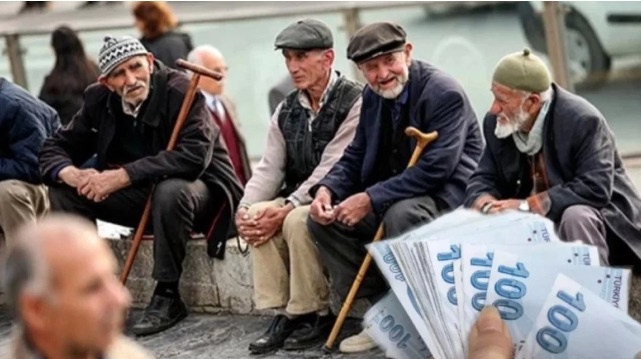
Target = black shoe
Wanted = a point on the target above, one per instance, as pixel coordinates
(161, 314)
(310, 333)
(279, 329)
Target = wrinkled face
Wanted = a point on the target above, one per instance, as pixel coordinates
(85, 311)
(130, 80)
(387, 74)
(308, 68)
(215, 63)
(510, 107)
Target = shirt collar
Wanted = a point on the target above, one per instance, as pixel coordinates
(210, 99)
(304, 98)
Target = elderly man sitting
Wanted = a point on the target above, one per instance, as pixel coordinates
(551, 152)
(127, 120)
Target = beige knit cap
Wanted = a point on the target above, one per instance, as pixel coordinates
(523, 71)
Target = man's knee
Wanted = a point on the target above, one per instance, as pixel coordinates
(13, 192)
(261, 206)
(171, 194)
(404, 214)
(295, 224)
(580, 215)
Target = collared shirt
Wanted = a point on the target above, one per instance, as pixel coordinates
(130, 109)
(303, 98)
(398, 103)
(268, 176)
(214, 104)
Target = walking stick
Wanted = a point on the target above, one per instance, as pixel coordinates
(182, 116)
(422, 140)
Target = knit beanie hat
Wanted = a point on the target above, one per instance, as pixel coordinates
(115, 51)
(523, 71)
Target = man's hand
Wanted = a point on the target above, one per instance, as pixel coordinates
(269, 222)
(353, 209)
(99, 186)
(504, 205)
(321, 210)
(246, 226)
(263, 226)
(75, 177)
(490, 338)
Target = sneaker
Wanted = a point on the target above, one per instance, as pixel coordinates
(360, 342)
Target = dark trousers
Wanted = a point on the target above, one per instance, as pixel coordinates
(342, 248)
(177, 207)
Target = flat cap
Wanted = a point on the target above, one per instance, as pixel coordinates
(374, 40)
(523, 71)
(305, 34)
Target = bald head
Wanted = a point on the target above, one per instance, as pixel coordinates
(40, 246)
(61, 283)
(212, 59)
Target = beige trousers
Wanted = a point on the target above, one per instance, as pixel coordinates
(20, 202)
(287, 269)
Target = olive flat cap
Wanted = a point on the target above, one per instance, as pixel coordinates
(374, 40)
(523, 71)
(305, 34)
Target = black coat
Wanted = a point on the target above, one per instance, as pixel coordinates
(582, 163)
(436, 103)
(199, 153)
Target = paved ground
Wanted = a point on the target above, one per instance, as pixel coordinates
(220, 337)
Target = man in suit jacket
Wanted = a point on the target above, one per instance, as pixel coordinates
(222, 108)
(370, 184)
(64, 295)
(551, 152)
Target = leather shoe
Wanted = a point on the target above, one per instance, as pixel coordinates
(310, 332)
(279, 329)
(161, 314)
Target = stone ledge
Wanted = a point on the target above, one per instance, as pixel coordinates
(208, 285)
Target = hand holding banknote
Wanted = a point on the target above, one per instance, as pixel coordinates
(490, 337)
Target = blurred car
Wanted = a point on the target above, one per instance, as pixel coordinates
(596, 33)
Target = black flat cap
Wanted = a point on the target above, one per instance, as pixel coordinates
(305, 34)
(374, 40)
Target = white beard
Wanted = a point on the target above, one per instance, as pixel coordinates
(512, 126)
(393, 93)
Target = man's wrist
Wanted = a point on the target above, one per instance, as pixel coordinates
(63, 172)
(324, 190)
(124, 177)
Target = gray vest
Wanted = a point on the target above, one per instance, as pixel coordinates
(305, 147)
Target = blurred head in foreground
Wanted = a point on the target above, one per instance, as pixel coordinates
(61, 284)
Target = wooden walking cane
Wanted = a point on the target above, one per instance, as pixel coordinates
(422, 140)
(182, 116)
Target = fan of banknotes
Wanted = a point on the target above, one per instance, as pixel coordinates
(556, 299)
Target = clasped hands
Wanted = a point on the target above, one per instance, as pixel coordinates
(349, 212)
(263, 225)
(95, 186)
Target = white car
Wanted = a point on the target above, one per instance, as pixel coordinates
(596, 32)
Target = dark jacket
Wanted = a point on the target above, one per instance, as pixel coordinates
(169, 47)
(25, 123)
(199, 152)
(582, 164)
(437, 103)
